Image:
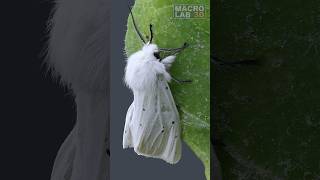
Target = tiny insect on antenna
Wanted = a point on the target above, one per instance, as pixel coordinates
(151, 33)
(135, 26)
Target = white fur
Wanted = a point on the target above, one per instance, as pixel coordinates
(152, 125)
(142, 69)
(168, 61)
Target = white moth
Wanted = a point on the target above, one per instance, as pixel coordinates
(152, 124)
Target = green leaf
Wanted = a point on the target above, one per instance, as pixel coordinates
(192, 63)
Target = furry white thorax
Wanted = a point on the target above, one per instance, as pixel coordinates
(143, 68)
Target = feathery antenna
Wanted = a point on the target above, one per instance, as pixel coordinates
(151, 33)
(135, 26)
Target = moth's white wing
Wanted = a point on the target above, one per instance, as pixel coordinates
(152, 124)
(127, 137)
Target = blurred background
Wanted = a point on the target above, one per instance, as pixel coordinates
(36, 112)
(267, 114)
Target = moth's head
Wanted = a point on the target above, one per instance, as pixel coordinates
(151, 50)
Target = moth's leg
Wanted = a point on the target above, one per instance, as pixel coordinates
(167, 61)
(181, 81)
(174, 50)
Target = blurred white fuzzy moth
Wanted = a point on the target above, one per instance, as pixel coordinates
(152, 124)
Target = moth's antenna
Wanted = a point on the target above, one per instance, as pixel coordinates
(135, 26)
(151, 33)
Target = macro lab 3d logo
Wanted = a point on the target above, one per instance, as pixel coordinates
(188, 11)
